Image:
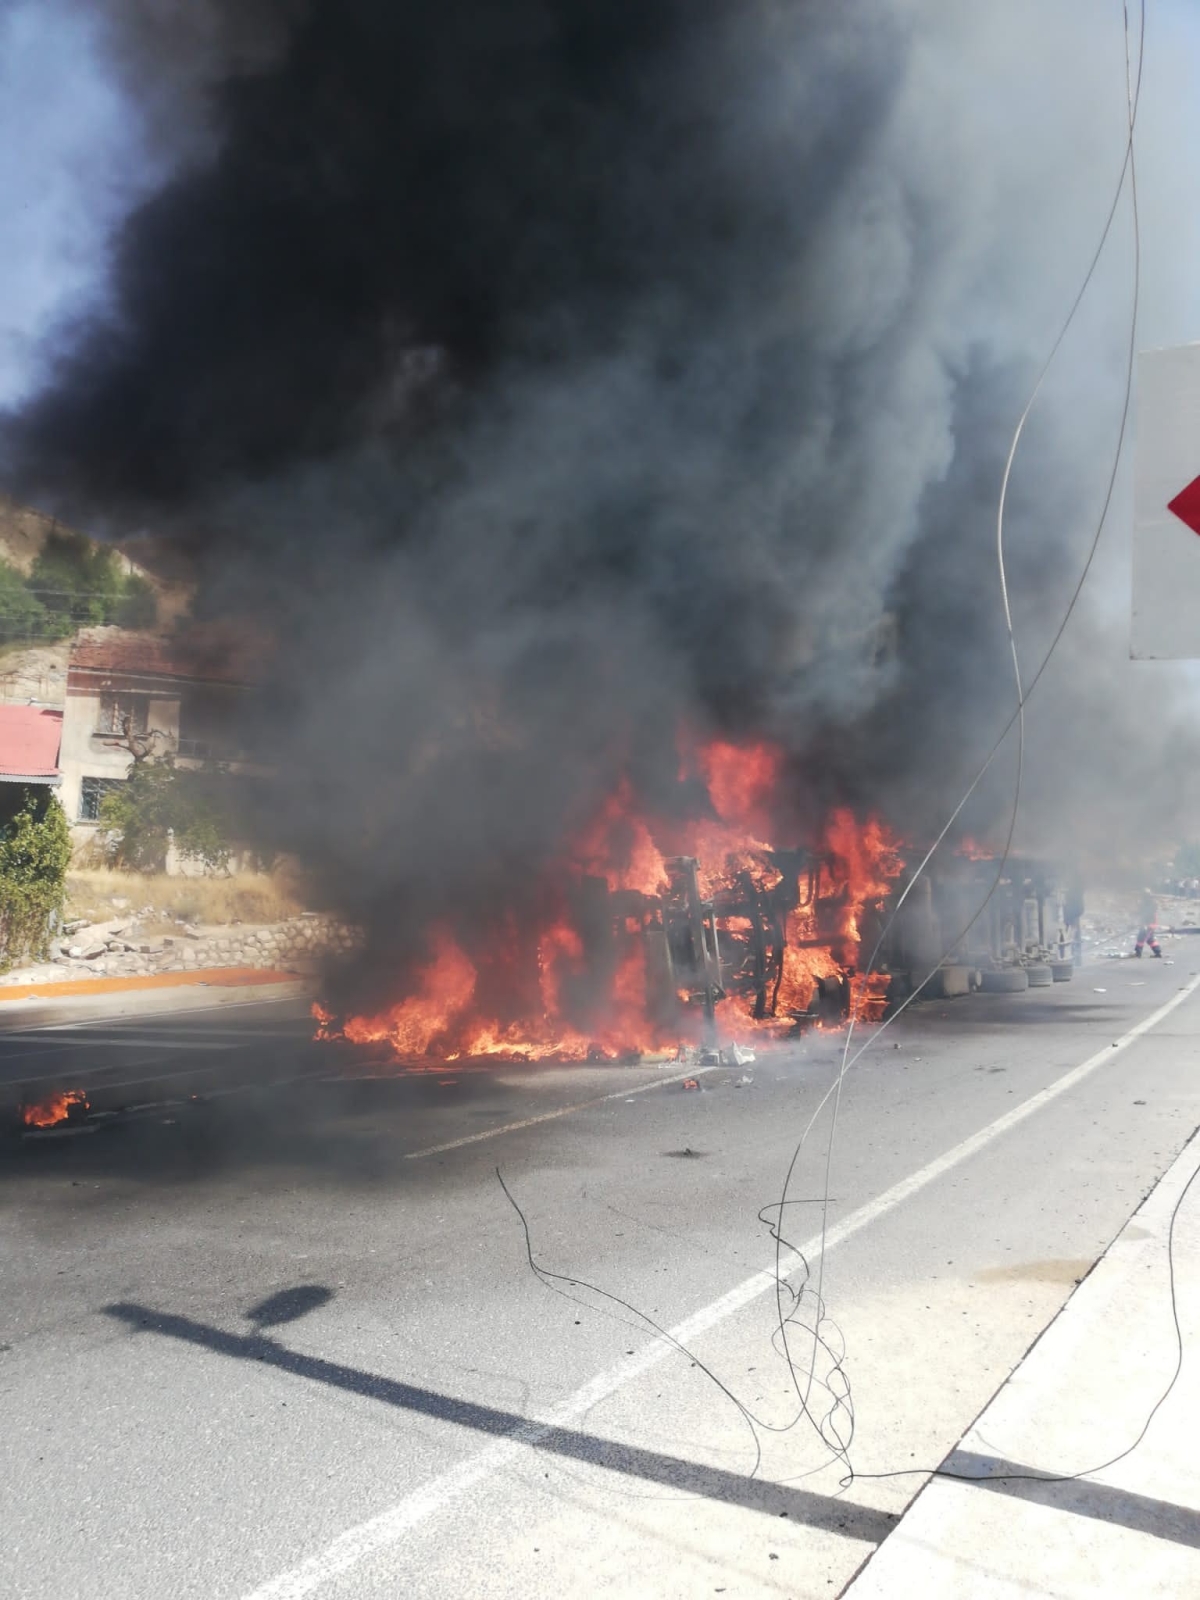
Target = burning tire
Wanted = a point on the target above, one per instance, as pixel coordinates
(1061, 971)
(1039, 975)
(1005, 980)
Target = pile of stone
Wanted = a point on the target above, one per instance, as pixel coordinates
(121, 947)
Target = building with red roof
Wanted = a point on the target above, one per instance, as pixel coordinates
(30, 740)
(178, 696)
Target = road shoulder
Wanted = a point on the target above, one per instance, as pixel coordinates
(1080, 1397)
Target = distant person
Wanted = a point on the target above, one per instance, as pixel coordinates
(1148, 936)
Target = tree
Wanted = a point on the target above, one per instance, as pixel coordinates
(22, 615)
(137, 607)
(80, 584)
(160, 801)
(35, 851)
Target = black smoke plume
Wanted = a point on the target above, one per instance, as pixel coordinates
(548, 375)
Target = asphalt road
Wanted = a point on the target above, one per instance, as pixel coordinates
(284, 1339)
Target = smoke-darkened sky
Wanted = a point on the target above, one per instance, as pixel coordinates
(550, 374)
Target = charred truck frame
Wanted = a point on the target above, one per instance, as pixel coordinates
(958, 929)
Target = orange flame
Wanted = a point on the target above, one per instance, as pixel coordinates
(617, 846)
(57, 1108)
(441, 994)
(742, 782)
(585, 972)
(973, 850)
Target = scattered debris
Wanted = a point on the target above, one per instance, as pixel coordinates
(740, 1083)
(691, 1083)
(736, 1055)
(1099, 991)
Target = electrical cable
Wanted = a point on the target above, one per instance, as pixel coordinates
(843, 1402)
(1128, 170)
(551, 1279)
(1084, 1472)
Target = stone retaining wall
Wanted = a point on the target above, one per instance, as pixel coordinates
(116, 949)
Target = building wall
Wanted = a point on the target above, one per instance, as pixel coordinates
(87, 752)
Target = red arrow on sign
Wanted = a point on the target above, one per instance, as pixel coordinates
(1186, 505)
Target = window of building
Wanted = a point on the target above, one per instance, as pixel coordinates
(91, 792)
(123, 713)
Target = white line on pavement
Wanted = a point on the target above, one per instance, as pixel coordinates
(549, 1116)
(369, 1538)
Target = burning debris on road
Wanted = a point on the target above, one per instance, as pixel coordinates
(64, 1105)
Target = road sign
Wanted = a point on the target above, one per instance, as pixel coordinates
(1166, 506)
(1186, 505)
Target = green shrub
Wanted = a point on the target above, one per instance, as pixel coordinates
(35, 850)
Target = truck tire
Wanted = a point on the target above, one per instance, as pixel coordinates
(1061, 971)
(1004, 980)
(1039, 975)
(955, 980)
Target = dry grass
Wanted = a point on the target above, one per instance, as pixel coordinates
(241, 897)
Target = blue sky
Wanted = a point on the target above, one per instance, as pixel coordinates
(72, 161)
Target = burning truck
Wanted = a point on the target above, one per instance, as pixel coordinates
(694, 926)
(1002, 925)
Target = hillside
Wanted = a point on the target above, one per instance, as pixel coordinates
(34, 668)
(22, 534)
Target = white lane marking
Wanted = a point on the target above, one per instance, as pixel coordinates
(550, 1116)
(389, 1527)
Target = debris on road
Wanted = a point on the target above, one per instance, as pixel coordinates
(62, 1106)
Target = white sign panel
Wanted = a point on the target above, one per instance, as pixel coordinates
(1166, 506)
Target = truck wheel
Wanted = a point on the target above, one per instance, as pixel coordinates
(955, 980)
(1061, 971)
(1005, 980)
(1039, 975)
